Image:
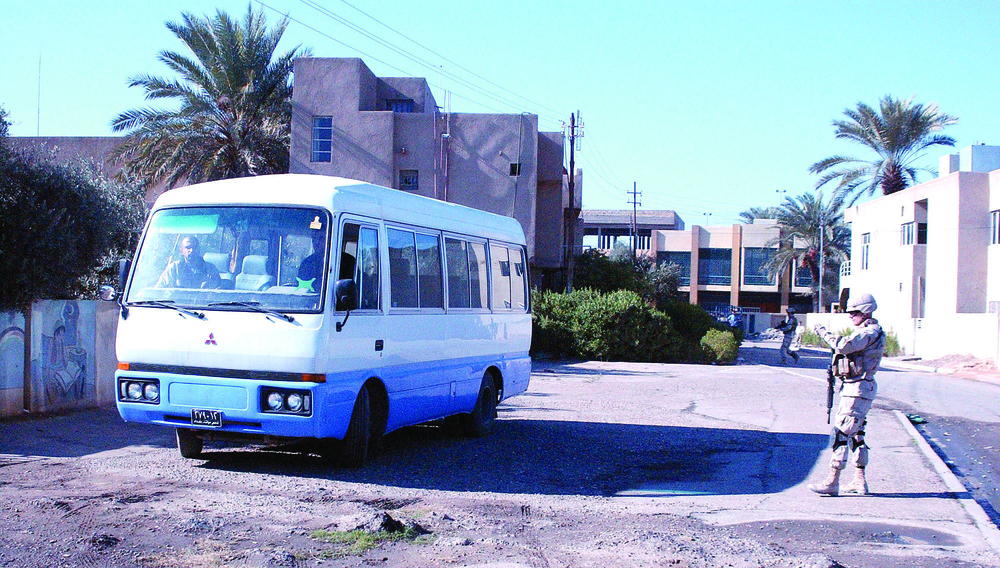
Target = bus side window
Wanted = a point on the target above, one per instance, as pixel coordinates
(429, 271)
(402, 269)
(367, 273)
(478, 270)
(348, 252)
(500, 273)
(517, 290)
(456, 252)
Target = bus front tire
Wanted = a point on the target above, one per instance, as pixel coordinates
(188, 443)
(354, 447)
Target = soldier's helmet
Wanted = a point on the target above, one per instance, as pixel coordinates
(864, 303)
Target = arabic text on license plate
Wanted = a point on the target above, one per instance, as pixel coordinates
(211, 418)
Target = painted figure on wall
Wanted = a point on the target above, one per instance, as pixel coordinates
(62, 370)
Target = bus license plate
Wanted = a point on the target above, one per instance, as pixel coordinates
(211, 418)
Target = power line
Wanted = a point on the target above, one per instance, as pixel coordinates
(410, 56)
(467, 70)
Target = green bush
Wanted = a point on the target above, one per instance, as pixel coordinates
(720, 347)
(620, 326)
(892, 348)
(62, 226)
(553, 316)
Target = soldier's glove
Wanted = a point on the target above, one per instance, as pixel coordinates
(819, 329)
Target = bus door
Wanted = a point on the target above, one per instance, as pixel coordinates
(358, 346)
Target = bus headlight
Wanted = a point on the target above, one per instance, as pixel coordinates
(134, 391)
(275, 401)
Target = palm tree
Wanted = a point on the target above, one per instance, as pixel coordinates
(800, 220)
(769, 212)
(233, 105)
(898, 133)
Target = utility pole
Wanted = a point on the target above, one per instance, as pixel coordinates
(822, 230)
(571, 213)
(635, 213)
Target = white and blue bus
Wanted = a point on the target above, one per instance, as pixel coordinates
(298, 306)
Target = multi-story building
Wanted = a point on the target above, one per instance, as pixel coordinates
(930, 255)
(390, 131)
(723, 266)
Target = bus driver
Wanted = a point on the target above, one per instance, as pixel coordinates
(191, 271)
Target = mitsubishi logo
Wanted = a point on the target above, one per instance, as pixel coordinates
(211, 339)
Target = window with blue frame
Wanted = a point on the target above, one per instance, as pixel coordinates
(322, 139)
(681, 259)
(755, 261)
(715, 266)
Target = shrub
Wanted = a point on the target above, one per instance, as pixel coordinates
(719, 347)
(553, 317)
(892, 347)
(620, 326)
(61, 226)
(598, 272)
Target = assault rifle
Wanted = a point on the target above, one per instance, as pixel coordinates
(830, 380)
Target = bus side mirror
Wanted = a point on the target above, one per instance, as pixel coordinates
(123, 267)
(346, 292)
(347, 295)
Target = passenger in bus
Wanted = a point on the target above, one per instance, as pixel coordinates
(310, 273)
(191, 271)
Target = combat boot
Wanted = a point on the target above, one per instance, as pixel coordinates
(830, 486)
(858, 485)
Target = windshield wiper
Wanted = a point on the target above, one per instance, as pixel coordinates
(255, 306)
(167, 304)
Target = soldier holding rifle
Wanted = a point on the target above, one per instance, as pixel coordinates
(856, 358)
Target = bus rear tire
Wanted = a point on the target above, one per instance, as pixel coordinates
(188, 443)
(483, 417)
(354, 447)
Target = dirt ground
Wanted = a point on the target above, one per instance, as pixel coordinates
(86, 489)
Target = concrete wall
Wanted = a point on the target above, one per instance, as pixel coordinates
(70, 355)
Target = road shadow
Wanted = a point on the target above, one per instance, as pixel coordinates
(76, 434)
(565, 458)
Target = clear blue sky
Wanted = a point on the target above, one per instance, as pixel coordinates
(710, 107)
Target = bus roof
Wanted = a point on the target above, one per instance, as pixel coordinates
(342, 195)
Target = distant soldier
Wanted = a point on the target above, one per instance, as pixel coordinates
(863, 350)
(788, 327)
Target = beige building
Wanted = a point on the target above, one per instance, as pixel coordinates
(724, 266)
(390, 131)
(931, 257)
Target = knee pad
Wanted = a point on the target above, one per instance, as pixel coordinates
(838, 439)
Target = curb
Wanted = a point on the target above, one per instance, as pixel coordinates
(986, 527)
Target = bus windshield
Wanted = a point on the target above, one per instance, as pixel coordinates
(233, 258)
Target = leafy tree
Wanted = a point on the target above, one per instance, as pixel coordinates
(799, 220)
(898, 132)
(233, 99)
(62, 228)
(4, 125)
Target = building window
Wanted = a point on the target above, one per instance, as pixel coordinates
(803, 277)
(995, 239)
(682, 259)
(399, 105)
(715, 266)
(409, 180)
(322, 139)
(866, 240)
(755, 272)
(921, 233)
(515, 168)
(906, 231)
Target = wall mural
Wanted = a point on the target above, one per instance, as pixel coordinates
(11, 351)
(62, 347)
